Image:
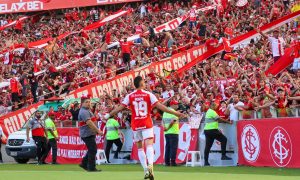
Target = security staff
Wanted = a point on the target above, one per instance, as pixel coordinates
(211, 131)
(37, 126)
(112, 137)
(171, 128)
(88, 131)
(52, 136)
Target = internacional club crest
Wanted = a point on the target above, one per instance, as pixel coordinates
(250, 143)
(280, 146)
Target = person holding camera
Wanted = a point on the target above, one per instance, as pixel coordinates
(171, 129)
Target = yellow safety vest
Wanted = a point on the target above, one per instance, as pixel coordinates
(211, 122)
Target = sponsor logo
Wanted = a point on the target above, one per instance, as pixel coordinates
(250, 143)
(280, 146)
(21, 6)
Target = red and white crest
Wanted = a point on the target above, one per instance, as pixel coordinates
(250, 142)
(280, 146)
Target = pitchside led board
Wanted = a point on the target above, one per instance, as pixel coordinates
(269, 142)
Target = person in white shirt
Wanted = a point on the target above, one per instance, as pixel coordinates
(234, 108)
(277, 44)
(168, 93)
(143, 11)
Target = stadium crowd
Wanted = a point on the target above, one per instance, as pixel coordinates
(239, 81)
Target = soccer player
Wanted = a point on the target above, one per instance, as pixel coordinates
(141, 102)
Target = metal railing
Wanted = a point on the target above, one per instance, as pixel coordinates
(267, 113)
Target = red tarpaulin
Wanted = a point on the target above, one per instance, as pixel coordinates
(283, 62)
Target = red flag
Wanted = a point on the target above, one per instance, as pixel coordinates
(226, 44)
(285, 60)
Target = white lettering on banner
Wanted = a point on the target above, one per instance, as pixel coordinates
(14, 123)
(3, 7)
(22, 6)
(184, 141)
(72, 154)
(63, 140)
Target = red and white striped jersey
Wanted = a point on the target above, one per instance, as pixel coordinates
(140, 102)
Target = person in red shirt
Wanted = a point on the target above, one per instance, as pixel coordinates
(15, 87)
(141, 102)
(108, 36)
(212, 42)
(126, 49)
(222, 109)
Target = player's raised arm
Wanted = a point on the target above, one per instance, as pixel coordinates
(166, 109)
(115, 111)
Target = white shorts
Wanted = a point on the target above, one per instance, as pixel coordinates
(143, 134)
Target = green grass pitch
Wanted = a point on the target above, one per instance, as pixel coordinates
(134, 172)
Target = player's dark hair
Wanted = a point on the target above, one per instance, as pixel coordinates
(137, 80)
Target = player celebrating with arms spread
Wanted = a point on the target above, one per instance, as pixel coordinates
(141, 103)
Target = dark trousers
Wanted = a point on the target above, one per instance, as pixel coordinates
(41, 145)
(126, 60)
(103, 56)
(171, 148)
(89, 160)
(52, 144)
(109, 144)
(210, 136)
(34, 87)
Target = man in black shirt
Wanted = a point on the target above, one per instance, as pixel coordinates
(33, 85)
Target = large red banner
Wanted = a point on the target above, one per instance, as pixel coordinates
(188, 141)
(14, 6)
(12, 122)
(70, 147)
(269, 142)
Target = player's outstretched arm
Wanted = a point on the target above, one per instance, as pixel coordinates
(166, 109)
(116, 111)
